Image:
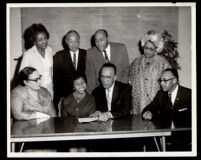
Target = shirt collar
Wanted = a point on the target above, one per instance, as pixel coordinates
(111, 88)
(175, 90)
(108, 48)
(74, 52)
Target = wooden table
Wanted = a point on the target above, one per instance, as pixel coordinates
(60, 129)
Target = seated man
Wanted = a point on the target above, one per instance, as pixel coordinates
(173, 102)
(178, 106)
(113, 98)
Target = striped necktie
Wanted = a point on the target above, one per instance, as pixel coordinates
(74, 60)
(105, 56)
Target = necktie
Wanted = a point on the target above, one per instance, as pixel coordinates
(74, 60)
(170, 98)
(105, 56)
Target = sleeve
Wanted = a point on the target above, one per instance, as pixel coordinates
(57, 84)
(17, 105)
(93, 106)
(25, 61)
(125, 63)
(90, 73)
(153, 107)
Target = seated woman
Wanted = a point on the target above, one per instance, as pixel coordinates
(79, 103)
(28, 99)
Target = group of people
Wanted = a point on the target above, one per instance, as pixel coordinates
(98, 82)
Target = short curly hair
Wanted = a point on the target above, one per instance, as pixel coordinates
(31, 32)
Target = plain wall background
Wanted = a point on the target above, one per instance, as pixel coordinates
(124, 24)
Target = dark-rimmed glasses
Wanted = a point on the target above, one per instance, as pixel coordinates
(165, 80)
(35, 80)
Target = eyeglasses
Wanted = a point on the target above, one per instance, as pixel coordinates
(165, 80)
(106, 77)
(35, 80)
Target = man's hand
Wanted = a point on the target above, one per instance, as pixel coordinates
(147, 115)
(96, 114)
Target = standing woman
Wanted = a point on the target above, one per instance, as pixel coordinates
(38, 54)
(146, 70)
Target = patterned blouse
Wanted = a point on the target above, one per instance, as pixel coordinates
(143, 78)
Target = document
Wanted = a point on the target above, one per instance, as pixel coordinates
(85, 120)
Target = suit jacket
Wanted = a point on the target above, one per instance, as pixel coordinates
(62, 68)
(95, 60)
(121, 99)
(162, 108)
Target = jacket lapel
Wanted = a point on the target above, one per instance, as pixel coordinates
(176, 102)
(115, 95)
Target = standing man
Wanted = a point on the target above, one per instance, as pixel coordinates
(113, 98)
(65, 61)
(104, 52)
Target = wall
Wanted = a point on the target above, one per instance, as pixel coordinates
(184, 47)
(124, 24)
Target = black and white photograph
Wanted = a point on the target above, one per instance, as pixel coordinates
(101, 79)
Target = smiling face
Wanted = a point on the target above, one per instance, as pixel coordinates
(41, 41)
(149, 49)
(73, 41)
(79, 85)
(108, 77)
(101, 40)
(33, 81)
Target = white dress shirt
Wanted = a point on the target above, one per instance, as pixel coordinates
(174, 94)
(72, 55)
(109, 98)
(32, 58)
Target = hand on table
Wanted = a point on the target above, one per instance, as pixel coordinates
(147, 115)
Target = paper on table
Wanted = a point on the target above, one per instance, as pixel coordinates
(41, 117)
(83, 120)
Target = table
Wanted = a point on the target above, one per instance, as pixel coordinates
(60, 129)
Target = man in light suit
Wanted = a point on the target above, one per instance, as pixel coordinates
(104, 52)
(176, 107)
(113, 98)
(64, 62)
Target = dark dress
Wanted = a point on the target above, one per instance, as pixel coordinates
(70, 107)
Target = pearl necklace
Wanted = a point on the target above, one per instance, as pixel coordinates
(78, 97)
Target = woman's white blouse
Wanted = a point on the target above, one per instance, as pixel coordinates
(32, 58)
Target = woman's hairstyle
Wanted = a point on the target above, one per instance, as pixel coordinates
(76, 75)
(31, 32)
(24, 74)
(155, 38)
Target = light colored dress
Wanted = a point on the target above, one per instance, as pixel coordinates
(144, 80)
(24, 105)
(32, 58)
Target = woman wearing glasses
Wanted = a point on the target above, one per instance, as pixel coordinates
(146, 70)
(28, 99)
(38, 54)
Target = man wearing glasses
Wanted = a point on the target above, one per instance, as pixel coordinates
(172, 101)
(113, 98)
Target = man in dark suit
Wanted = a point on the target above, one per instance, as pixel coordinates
(113, 98)
(64, 62)
(173, 102)
(104, 52)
